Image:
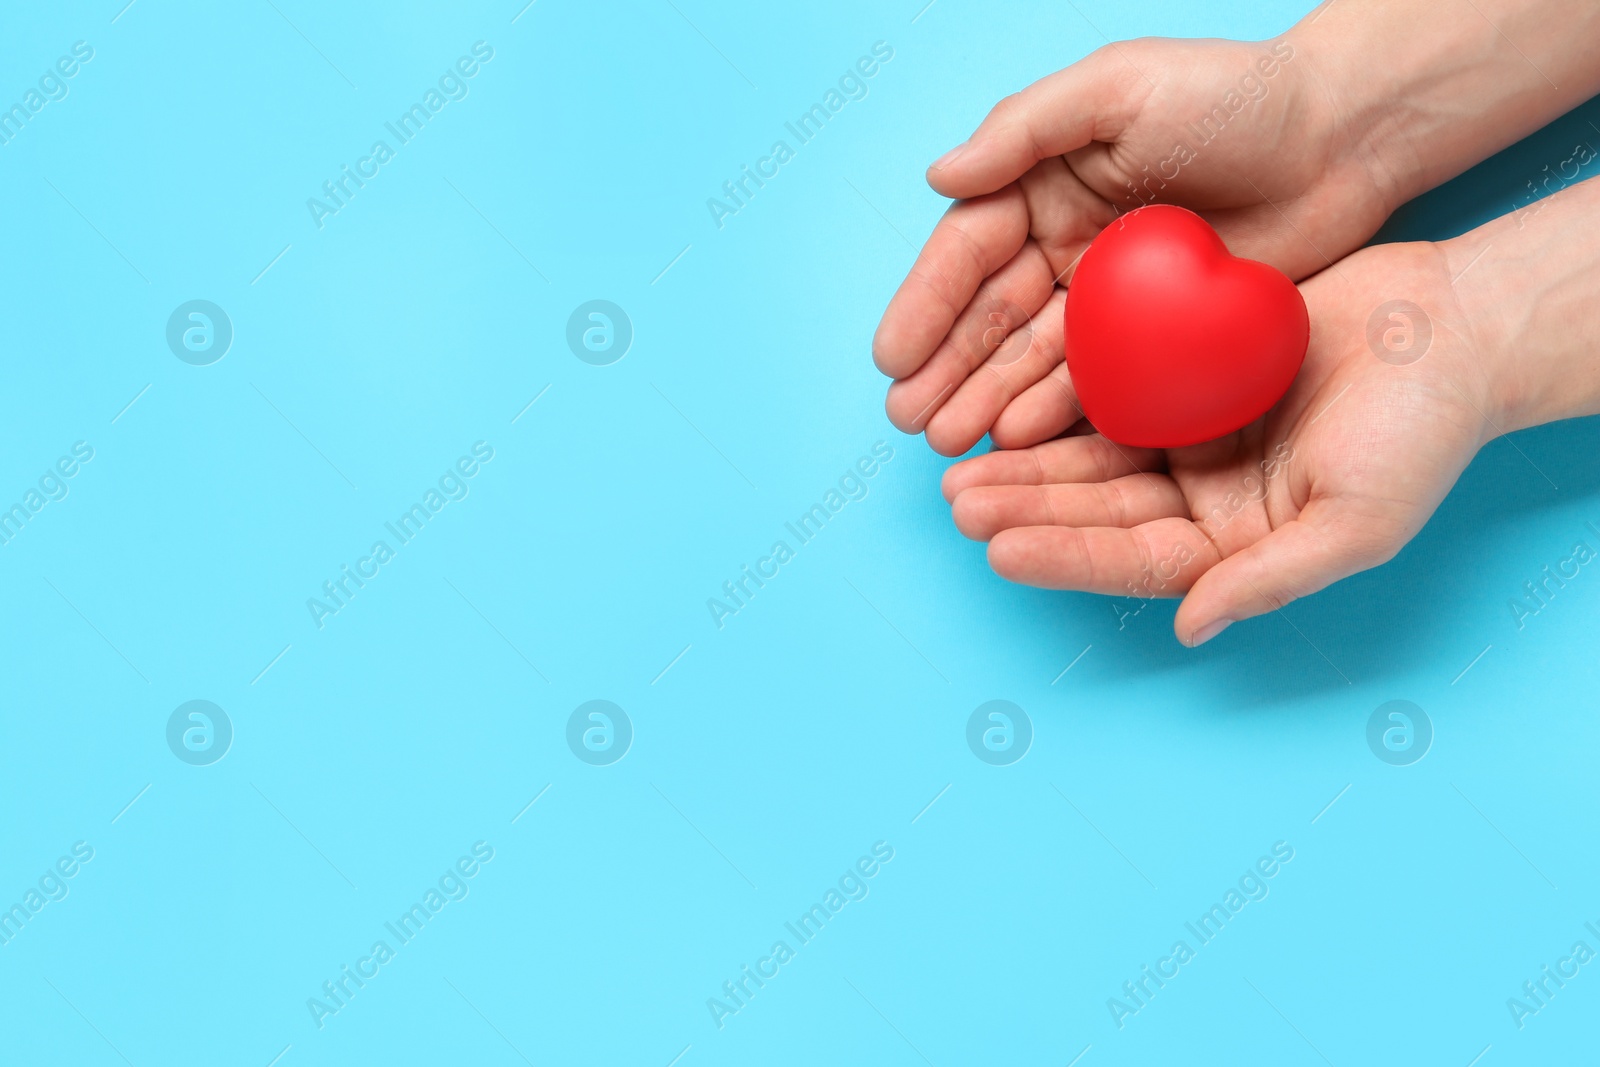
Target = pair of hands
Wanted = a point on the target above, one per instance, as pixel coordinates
(1335, 479)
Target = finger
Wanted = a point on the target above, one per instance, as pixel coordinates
(1073, 459)
(1005, 303)
(1279, 238)
(1092, 100)
(1044, 410)
(1064, 213)
(1295, 560)
(1160, 558)
(973, 240)
(1026, 355)
(984, 510)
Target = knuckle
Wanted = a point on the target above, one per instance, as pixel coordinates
(1116, 503)
(1007, 110)
(937, 286)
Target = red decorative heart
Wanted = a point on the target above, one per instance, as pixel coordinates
(1171, 340)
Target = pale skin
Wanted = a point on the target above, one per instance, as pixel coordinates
(1374, 104)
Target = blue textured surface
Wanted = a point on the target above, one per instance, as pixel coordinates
(374, 748)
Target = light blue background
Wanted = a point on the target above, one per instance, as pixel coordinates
(823, 718)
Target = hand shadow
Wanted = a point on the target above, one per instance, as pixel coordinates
(1383, 623)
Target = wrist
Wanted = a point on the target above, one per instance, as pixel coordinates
(1528, 286)
(1421, 98)
(1347, 66)
(1485, 307)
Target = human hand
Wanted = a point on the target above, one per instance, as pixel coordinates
(1304, 156)
(1248, 135)
(1334, 480)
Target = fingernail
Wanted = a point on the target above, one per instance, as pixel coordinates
(1203, 635)
(950, 156)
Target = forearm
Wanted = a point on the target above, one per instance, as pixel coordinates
(1529, 286)
(1429, 88)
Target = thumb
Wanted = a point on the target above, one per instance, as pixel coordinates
(1092, 100)
(1295, 560)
